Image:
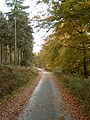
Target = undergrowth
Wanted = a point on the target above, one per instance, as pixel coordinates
(79, 87)
(11, 80)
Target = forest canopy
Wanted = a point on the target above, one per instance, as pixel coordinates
(68, 47)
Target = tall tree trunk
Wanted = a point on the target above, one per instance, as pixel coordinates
(6, 54)
(1, 51)
(15, 43)
(21, 57)
(10, 55)
(85, 61)
(18, 56)
(24, 55)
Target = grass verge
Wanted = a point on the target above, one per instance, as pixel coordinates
(79, 87)
(13, 80)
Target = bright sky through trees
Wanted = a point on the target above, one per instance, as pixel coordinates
(34, 10)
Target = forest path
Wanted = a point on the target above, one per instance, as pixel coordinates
(46, 102)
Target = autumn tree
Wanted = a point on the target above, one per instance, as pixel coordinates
(70, 20)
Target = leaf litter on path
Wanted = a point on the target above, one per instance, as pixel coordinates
(15, 104)
(70, 102)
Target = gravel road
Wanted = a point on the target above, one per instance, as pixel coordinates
(46, 102)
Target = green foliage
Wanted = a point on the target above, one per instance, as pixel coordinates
(77, 86)
(23, 34)
(13, 80)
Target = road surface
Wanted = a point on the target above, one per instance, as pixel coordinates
(46, 102)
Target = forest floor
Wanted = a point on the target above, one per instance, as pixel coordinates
(78, 106)
(13, 105)
(15, 89)
(46, 102)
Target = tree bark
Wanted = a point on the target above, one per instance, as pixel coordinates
(18, 56)
(10, 55)
(21, 57)
(6, 54)
(85, 62)
(1, 51)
